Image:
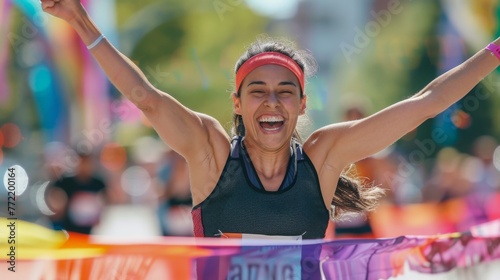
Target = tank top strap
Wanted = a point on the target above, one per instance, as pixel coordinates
(235, 147)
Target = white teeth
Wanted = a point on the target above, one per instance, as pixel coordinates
(271, 119)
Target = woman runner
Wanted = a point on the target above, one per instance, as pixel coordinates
(264, 181)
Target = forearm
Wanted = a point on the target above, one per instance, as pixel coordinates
(120, 70)
(181, 128)
(456, 83)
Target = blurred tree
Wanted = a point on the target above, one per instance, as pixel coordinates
(190, 47)
(404, 57)
(385, 65)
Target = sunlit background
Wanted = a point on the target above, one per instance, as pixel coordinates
(371, 53)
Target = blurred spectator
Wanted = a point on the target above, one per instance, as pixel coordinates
(446, 180)
(55, 159)
(78, 199)
(175, 196)
(486, 177)
(469, 181)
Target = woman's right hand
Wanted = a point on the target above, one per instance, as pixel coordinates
(63, 9)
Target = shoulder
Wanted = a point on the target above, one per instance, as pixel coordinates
(217, 135)
(209, 122)
(216, 144)
(322, 140)
(321, 146)
(218, 138)
(207, 161)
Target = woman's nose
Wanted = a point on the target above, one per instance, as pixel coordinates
(272, 99)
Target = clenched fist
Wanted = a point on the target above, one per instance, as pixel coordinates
(67, 10)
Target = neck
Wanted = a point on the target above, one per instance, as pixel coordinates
(270, 166)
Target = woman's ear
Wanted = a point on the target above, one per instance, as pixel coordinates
(303, 105)
(236, 103)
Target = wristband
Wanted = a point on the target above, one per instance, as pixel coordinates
(495, 49)
(96, 42)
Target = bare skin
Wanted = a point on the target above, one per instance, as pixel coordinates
(270, 92)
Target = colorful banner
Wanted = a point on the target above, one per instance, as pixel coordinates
(60, 69)
(5, 11)
(36, 57)
(32, 252)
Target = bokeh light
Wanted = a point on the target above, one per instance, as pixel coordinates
(148, 150)
(461, 119)
(125, 110)
(113, 157)
(471, 169)
(136, 181)
(16, 179)
(1, 139)
(41, 203)
(31, 54)
(496, 158)
(11, 135)
(40, 78)
(448, 159)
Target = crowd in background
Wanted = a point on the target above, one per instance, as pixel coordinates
(452, 188)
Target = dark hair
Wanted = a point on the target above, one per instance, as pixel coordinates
(354, 195)
(351, 194)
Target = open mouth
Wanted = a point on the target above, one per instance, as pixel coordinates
(271, 123)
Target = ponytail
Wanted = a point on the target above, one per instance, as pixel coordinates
(353, 196)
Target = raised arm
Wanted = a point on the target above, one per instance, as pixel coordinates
(348, 142)
(186, 131)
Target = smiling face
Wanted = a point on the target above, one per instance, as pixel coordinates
(270, 104)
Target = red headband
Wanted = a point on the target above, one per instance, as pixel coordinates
(266, 58)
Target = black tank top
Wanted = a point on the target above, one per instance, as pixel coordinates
(240, 204)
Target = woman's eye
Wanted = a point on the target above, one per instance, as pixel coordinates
(285, 92)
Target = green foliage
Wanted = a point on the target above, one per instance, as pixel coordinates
(21, 48)
(386, 65)
(403, 59)
(191, 52)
